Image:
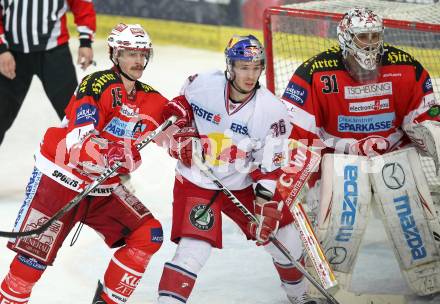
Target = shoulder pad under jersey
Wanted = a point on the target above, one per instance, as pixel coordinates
(95, 83)
(395, 56)
(140, 86)
(328, 60)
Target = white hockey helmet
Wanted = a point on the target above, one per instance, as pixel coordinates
(359, 21)
(129, 37)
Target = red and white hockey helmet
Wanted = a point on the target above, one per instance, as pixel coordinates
(356, 23)
(130, 37)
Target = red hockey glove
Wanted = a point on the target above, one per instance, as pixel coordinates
(269, 215)
(129, 157)
(181, 146)
(179, 107)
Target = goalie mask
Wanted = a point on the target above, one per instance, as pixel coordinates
(360, 35)
(243, 48)
(129, 37)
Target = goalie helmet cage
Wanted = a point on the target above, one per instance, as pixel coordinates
(294, 33)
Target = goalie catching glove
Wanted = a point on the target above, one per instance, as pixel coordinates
(183, 145)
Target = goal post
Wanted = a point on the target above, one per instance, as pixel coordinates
(295, 33)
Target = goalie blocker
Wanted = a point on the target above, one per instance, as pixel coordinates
(403, 198)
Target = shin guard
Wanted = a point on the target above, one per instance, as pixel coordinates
(17, 285)
(128, 264)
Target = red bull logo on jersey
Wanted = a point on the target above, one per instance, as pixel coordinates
(220, 150)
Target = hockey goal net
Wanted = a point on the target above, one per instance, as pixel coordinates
(293, 33)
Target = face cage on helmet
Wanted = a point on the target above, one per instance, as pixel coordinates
(367, 59)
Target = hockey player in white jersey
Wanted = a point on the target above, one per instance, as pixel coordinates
(243, 130)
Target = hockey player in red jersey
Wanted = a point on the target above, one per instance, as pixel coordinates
(109, 112)
(242, 127)
(364, 103)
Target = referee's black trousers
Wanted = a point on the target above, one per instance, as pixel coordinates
(57, 73)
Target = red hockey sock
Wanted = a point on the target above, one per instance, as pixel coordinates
(289, 274)
(120, 280)
(16, 287)
(129, 263)
(176, 282)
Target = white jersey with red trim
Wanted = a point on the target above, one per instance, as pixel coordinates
(238, 138)
(328, 108)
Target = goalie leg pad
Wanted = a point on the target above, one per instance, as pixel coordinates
(345, 195)
(404, 200)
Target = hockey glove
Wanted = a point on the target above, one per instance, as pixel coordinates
(179, 107)
(182, 145)
(269, 215)
(128, 157)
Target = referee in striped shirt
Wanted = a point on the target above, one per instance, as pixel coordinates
(34, 41)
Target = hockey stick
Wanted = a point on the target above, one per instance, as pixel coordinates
(294, 184)
(207, 171)
(99, 180)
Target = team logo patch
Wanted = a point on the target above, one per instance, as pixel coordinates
(427, 85)
(206, 221)
(86, 113)
(434, 111)
(278, 158)
(40, 246)
(295, 93)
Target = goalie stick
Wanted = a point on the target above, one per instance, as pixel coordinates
(207, 171)
(99, 180)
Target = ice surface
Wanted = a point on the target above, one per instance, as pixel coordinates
(240, 273)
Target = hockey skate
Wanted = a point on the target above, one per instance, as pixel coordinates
(97, 298)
